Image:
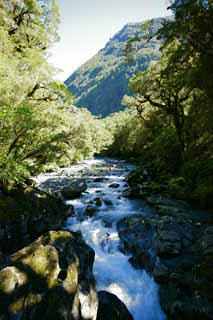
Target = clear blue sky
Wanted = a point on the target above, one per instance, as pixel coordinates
(86, 26)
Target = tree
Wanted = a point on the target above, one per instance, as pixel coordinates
(164, 88)
(192, 27)
(33, 107)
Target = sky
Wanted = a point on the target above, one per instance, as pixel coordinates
(86, 26)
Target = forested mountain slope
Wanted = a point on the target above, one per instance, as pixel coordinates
(101, 82)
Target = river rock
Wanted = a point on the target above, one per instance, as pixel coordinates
(98, 191)
(206, 266)
(137, 237)
(74, 188)
(50, 279)
(99, 179)
(98, 201)
(128, 193)
(181, 247)
(142, 191)
(168, 242)
(27, 213)
(90, 211)
(114, 185)
(111, 307)
(107, 201)
(139, 175)
(160, 271)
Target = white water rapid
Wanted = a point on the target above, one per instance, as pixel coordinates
(112, 270)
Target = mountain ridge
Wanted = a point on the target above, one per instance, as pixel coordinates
(102, 81)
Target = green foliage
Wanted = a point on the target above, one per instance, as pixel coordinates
(164, 151)
(192, 27)
(176, 184)
(12, 170)
(39, 127)
(174, 100)
(124, 127)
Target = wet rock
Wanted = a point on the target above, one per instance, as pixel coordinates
(99, 179)
(127, 193)
(179, 305)
(168, 241)
(111, 307)
(139, 175)
(158, 200)
(107, 201)
(27, 213)
(207, 242)
(137, 237)
(191, 309)
(144, 190)
(114, 185)
(98, 202)
(90, 211)
(206, 266)
(165, 210)
(160, 271)
(181, 256)
(74, 189)
(50, 279)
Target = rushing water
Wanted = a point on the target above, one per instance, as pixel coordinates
(112, 270)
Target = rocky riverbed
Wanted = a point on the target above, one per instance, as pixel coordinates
(128, 249)
(175, 245)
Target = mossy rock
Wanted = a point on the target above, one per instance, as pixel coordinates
(27, 213)
(43, 280)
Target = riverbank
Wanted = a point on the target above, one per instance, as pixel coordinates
(137, 233)
(175, 245)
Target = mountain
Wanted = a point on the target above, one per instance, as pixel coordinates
(100, 83)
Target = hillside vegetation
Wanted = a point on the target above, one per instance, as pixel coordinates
(101, 83)
(169, 122)
(169, 119)
(39, 126)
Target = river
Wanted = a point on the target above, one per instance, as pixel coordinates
(112, 269)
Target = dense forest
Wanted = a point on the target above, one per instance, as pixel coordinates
(168, 119)
(40, 127)
(144, 224)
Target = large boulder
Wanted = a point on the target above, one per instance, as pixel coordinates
(143, 190)
(168, 242)
(137, 237)
(176, 247)
(27, 213)
(139, 175)
(50, 279)
(112, 308)
(74, 189)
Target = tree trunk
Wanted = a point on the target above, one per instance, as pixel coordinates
(179, 130)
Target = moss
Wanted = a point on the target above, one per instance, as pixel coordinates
(43, 261)
(17, 305)
(10, 278)
(7, 280)
(71, 281)
(60, 235)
